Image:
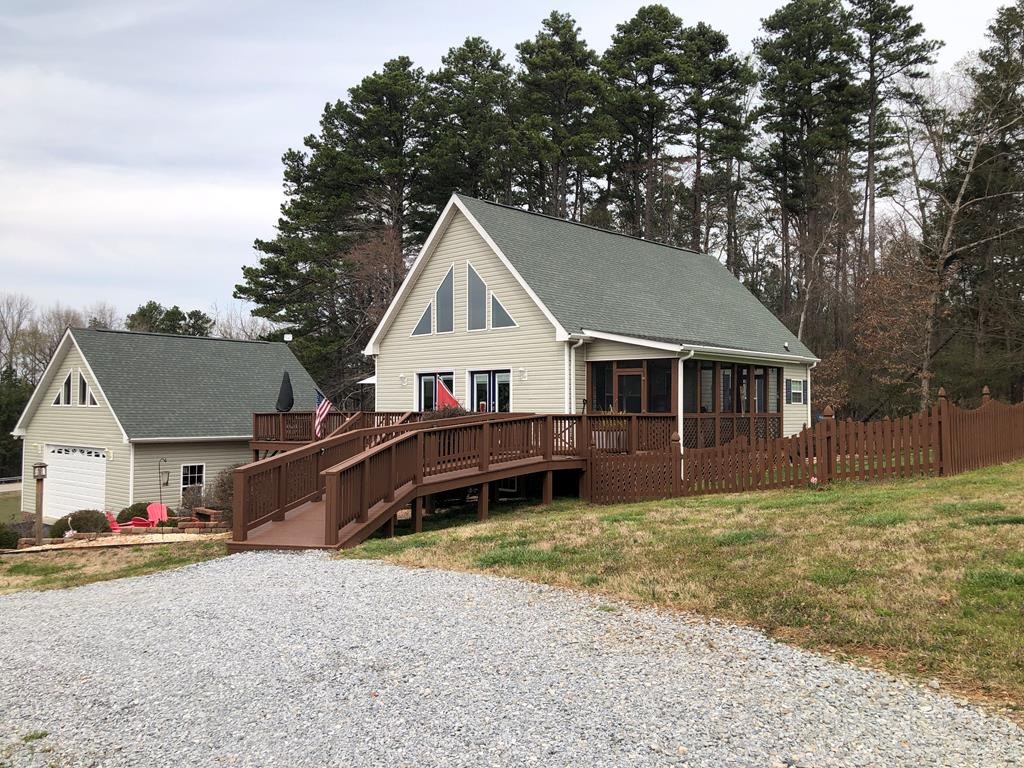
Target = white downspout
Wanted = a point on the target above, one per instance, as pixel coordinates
(572, 373)
(679, 405)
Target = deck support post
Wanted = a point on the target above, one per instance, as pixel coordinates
(547, 492)
(428, 504)
(364, 493)
(483, 501)
(389, 528)
(417, 515)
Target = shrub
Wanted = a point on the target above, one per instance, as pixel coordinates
(220, 493)
(138, 509)
(448, 412)
(8, 537)
(83, 521)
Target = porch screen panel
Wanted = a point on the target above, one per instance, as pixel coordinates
(659, 386)
(707, 387)
(726, 398)
(690, 386)
(604, 391)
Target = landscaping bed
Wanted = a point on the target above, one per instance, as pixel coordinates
(923, 577)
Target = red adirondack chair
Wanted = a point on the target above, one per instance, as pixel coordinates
(157, 513)
(115, 527)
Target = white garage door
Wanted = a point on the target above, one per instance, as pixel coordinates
(76, 478)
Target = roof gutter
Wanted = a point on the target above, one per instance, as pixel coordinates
(747, 353)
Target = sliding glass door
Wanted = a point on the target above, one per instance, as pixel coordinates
(491, 391)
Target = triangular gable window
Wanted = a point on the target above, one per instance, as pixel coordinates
(84, 392)
(476, 300)
(500, 318)
(423, 327)
(75, 389)
(445, 299)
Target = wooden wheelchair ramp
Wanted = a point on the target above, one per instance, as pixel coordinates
(339, 491)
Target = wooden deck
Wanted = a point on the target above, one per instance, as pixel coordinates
(304, 527)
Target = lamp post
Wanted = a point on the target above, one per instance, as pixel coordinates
(39, 473)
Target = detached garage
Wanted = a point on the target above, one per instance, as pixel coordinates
(120, 417)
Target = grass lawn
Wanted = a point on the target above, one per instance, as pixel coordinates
(10, 507)
(72, 568)
(924, 577)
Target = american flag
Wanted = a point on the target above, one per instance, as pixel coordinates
(323, 407)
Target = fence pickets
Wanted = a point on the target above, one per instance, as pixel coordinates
(945, 440)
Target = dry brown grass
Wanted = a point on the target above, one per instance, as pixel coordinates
(923, 577)
(74, 567)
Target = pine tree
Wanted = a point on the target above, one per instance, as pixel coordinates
(713, 84)
(641, 66)
(472, 144)
(560, 92)
(354, 184)
(893, 48)
(810, 110)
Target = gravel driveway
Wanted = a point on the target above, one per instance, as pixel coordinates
(298, 660)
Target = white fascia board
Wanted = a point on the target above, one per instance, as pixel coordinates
(110, 407)
(212, 439)
(560, 333)
(453, 205)
(699, 348)
(664, 346)
(373, 346)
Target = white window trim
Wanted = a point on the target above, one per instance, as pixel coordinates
(181, 481)
(72, 390)
(416, 386)
(470, 394)
(437, 291)
(487, 300)
(792, 392)
(429, 309)
(492, 297)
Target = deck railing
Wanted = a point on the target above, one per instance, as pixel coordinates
(297, 426)
(356, 485)
(267, 489)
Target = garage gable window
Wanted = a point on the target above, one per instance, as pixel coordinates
(85, 396)
(64, 395)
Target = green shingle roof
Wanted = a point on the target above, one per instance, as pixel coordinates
(184, 386)
(599, 280)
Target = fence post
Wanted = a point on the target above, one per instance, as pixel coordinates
(392, 473)
(634, 433)
(549, 436)
(332, 501)
(945, 435)
(364, 492)
(986, 395)
(829, 422)
(677, 464)
(239, 503)
(417, 476)
(282, 491)
(485, 446)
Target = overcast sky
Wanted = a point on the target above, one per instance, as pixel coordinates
(140, 140)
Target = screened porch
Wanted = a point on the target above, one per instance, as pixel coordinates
(720, 400)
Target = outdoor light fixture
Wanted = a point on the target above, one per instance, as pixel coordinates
(39, 474)
(402, 379)
(288, 337)
(523, 374)
(165, 477)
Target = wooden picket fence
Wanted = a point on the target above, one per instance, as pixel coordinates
(945, 440)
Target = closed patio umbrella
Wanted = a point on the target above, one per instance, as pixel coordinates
(285, 398)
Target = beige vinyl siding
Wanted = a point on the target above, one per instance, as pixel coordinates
(75, 425)
(216, 456)
(541, 385)
(795, 417)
